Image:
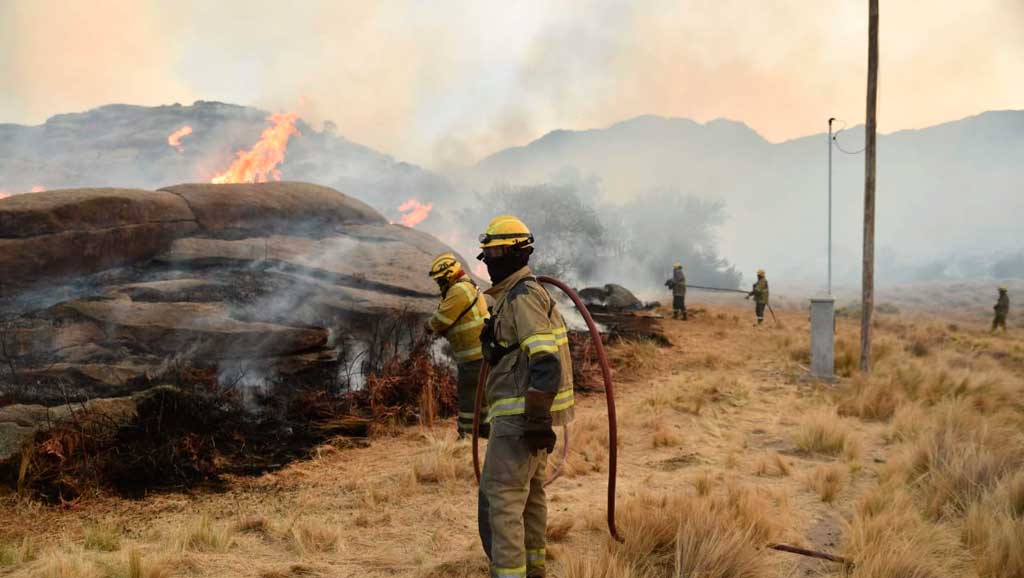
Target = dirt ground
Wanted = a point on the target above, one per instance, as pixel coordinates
(725, 410)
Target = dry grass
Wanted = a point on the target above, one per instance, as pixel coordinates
(828, 482)
(634, 358)
(311, 538)
(869, 399)
(822, 431)
(588, 447)
(559, 528)
(202, 535)
(102, 538)
(665, 436)
(20, 553)
(445, 460)
(68, 565)
(680, 536)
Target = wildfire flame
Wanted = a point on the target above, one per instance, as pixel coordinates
(175, 137)
(259, 163)
(414, 212)
(4, 194)
(35, 189)
(38, 189)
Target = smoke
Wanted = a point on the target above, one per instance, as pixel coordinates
(443, 85)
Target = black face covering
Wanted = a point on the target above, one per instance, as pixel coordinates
(499, 268)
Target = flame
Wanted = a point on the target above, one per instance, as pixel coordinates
(38, 189)
(175, 137)
(260, 162)
(414, 212)
(4, 194)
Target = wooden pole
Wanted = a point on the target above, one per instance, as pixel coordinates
(868, 271)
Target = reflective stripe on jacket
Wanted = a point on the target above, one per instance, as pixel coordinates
(525, 313)
(463, 333)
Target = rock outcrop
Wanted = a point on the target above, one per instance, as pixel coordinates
(104, 291)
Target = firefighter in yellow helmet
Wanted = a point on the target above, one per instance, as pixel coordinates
(529, 391)
(760, 294)
(1002, 309)
(460, 318)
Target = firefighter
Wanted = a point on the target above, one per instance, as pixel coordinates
(1002, 309)
(460, 318)
(760, 294)
(529, 392)
(678, 286)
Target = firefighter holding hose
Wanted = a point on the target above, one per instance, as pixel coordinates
(460, 318)
(760, 294)
(528, 391)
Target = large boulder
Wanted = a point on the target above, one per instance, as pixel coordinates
(60, 234)
(105, 291)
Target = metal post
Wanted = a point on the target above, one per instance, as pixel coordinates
(830, 205)
(822, 338)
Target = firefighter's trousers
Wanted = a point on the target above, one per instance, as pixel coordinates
(513, 483)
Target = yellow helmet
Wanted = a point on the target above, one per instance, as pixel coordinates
(1004, 288)
(760, 272)
(445, 266)
(678, 265)
(504, 234)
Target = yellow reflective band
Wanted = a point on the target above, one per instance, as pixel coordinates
(497, 572)
(535, 557)
(444, 320)
(540, 343)
(468, 353)
(561, 336)
(537, 337)
(465, 415)
(506, 406)
(466, 326)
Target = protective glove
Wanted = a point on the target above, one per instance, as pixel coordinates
(487, 344)
(539, 434)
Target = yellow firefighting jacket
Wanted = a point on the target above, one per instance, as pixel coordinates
(525, 314)
(463, 333)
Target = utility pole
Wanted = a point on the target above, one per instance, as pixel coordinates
(868, 280)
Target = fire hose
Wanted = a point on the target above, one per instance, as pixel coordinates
(595, 336)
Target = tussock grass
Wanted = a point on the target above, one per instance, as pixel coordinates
(634, 357)
(559, 528)
(445, 460)
(203, 536)
(664, 435)
(310, 538)
(828, 482)
(67, 565)
(20, 553)
(822, 431)
(680, 536)
(102, 538)
(869, 399)
(252, 525)
(588, 447)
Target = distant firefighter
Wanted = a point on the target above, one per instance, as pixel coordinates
(678, 286)
(760, 294)
(460, 318)
(1002, 309)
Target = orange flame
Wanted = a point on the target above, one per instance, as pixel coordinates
(175, 137)
(260, 162)
(38, 189)
(4, 194)
(414, 212)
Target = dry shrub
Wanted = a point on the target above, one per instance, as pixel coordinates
(102, 538)
(312, 538)
(869, 399)
(410, 388)
(703, 483)
(137, 567)
(664, 436)
(994, 530)
(822, 431)
(586, 369)
(445, 460)
(203, 536)
(470, 567)
(847, 358)
(605, 565)
(828, 481)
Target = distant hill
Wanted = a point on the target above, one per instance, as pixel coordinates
(126, 146)
(949, 196)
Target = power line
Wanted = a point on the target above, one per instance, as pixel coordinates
(839, 146)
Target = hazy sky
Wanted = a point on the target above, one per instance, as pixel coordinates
(447, 82)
